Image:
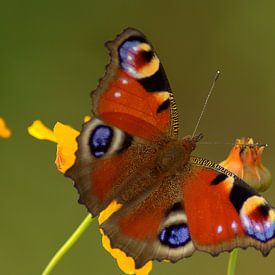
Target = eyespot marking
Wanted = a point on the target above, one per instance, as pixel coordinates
(258, 219)
(147, 55)
(264, 209)
(100, 140)
(127, 142)
(262, 231)
(137, 58)
(176, 207)
(175, 235)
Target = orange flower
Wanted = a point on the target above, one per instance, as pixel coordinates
(5, 132)
(65, 137)
(245, 160)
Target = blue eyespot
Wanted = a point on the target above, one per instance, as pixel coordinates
(129, 47)
(262, 231)
(127, 54)
(175, 235)
(100, 140)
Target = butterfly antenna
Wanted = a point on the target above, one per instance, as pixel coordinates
(251, 145)
(216, 143)
(206, 101)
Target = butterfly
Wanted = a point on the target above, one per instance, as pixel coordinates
(172, 203)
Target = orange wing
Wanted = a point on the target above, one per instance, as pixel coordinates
(152, 227)
(134, 95)
(223, 212)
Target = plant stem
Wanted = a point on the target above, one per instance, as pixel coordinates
(232, 262)
(68, 244)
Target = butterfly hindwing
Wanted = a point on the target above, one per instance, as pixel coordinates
(224, 212)
(134, 94)
(152, 227)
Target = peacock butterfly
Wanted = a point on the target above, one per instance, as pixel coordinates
(172, 203)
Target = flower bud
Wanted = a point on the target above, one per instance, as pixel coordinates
(245, 160)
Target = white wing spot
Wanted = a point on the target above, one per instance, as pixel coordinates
(219, 229)
(124, 81)
(117, 94)
(234, 226)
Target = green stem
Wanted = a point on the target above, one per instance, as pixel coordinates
(232, 262)
(68, 244)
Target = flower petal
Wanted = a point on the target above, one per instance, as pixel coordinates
(86, 118)
(65, 137)
(66, 146)
(40, 131)
(5, 132)
(108, 211)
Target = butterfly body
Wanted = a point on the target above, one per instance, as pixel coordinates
(171, 203)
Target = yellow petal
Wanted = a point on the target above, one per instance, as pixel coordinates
(108, 211)
(5, 132)
(87, 118)
(66, 146)
(40, 131)
(146, 269)
(125, 263)
(65, 137)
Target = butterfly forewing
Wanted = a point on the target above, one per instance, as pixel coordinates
(134, 94)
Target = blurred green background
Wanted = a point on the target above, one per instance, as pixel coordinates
(51, 57)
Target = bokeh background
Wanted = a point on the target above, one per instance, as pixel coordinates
(51, 56)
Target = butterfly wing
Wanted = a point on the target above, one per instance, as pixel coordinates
(132, 106)
(107, 160)
(223, 212)
(152, 227)
(134, 95)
